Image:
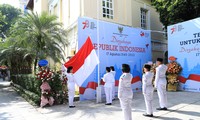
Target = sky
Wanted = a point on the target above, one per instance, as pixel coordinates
(14, 3)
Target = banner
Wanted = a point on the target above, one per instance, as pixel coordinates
(116, 44)
(84, 62)
(184, 44)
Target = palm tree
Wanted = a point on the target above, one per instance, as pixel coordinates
(42, 35)
(15, 57)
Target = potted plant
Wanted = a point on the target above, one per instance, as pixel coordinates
(172, 74)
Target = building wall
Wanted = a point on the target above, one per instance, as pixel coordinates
(126, 12)
(70, 11)
(122, 15)
(40, 6)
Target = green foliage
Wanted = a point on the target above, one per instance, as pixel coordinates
(2, 20)
(29, 87)
(15, 57)
(31, 97)
(10, 14)
(56, 88)
(175, 11)
(41, 35)
(28, 82)
(33, 37)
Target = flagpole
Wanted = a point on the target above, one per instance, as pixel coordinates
(98, 89)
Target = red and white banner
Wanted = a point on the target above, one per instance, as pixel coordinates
(184, 44)
(116, 45)
(84, 62)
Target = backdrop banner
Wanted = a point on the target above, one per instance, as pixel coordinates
(117, 44)
(184, 44)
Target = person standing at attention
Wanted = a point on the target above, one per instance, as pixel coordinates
(70, 86)
(113, 87)
(160, 83)
(147, 90)
(108, 78)
(125, 93)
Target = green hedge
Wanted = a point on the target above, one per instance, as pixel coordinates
(28, 82)
(29, 87)
(31, 97)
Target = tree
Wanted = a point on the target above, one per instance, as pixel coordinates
(2, 22)
(15, 57)
(41, 35)
(11, 14)
(174, 11)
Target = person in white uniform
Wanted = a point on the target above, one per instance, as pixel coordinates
(113, 87)
(147, 89)
(160, 84)
(70, 86)
(108, 78)
(125, 93)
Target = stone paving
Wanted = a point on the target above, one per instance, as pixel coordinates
(182, 106)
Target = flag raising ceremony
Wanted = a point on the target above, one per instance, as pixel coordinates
(84, 62)
(100, 59)
(116, 44)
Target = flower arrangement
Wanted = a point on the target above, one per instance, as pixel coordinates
(64, 81)
(173, 70)
(153, 70)
(172, 79)
(45, 75)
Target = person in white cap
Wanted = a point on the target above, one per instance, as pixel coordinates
(112, 70)
(70, 86)
(108, 78)
(147, 90)
(125, 92)
(160, 84)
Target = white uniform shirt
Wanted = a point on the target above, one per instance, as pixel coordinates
(70, 81)
(124, 90)
(160, 77)
(147, 86)
(108, 78)
(113, 72)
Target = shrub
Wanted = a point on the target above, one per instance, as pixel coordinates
(29, 87)
(28, 82)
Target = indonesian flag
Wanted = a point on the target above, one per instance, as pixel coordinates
(84, 62)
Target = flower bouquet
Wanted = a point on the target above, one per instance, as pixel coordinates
(45, 75)
(172, 72)
(64, 86)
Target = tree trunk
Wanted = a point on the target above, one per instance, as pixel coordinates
(35, 65)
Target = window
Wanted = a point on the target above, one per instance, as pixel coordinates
(143, 18)
(107, 6)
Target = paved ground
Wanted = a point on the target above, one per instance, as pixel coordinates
(182, 106)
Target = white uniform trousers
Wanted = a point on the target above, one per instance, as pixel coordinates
(71, 94)
(113, 91)
(126, 108)
(108, 92)
(149, 102)
(162, 95)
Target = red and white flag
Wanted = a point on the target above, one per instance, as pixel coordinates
(84, 62)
